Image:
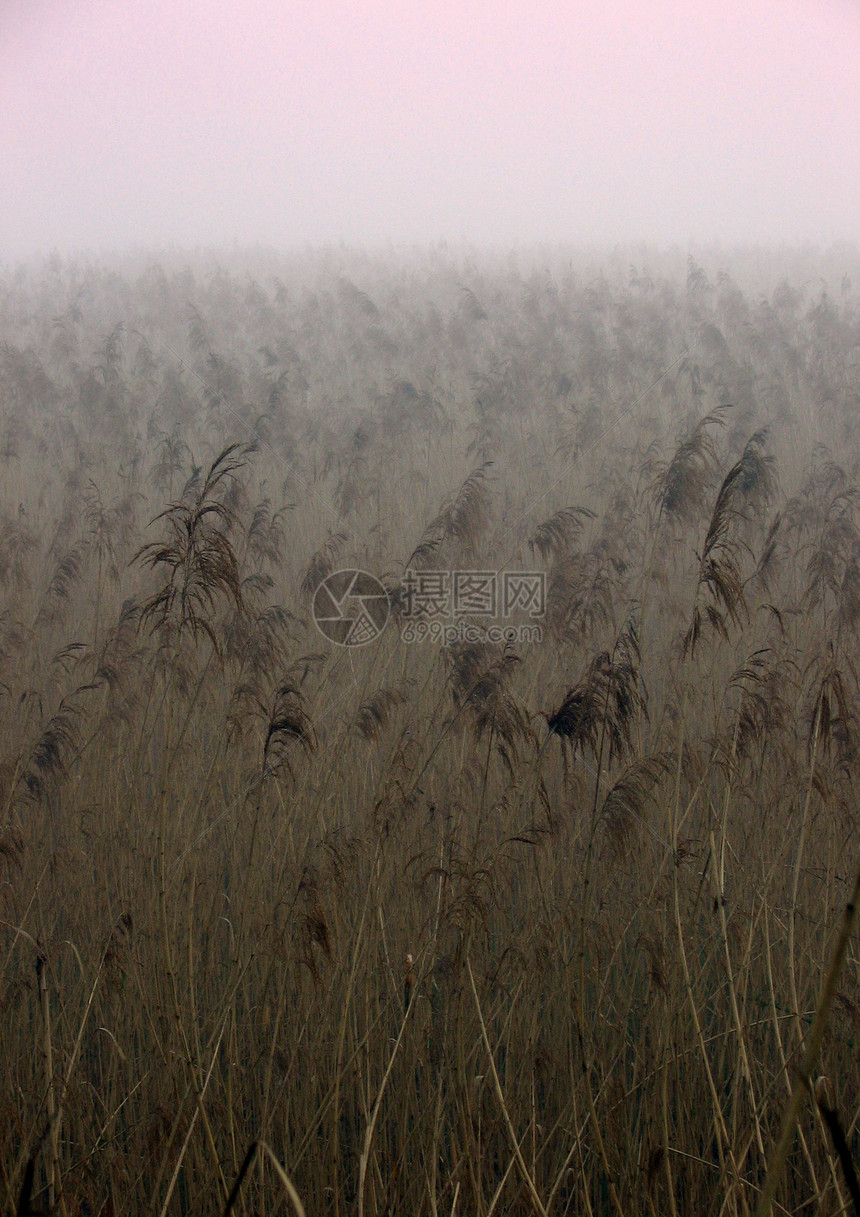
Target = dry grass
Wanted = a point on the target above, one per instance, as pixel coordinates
(616, 862)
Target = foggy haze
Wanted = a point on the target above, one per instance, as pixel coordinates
(143, 123)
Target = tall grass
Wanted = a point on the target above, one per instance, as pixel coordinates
(548, 927)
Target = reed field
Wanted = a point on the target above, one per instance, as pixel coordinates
(554, 918)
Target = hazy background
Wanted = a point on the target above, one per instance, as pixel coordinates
(150, 122)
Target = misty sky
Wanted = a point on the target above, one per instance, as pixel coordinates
(374, 122)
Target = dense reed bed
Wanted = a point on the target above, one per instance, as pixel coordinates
(537, 925)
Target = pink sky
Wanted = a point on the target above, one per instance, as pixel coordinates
(144, 122)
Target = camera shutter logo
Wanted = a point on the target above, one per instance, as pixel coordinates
(351, 607)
